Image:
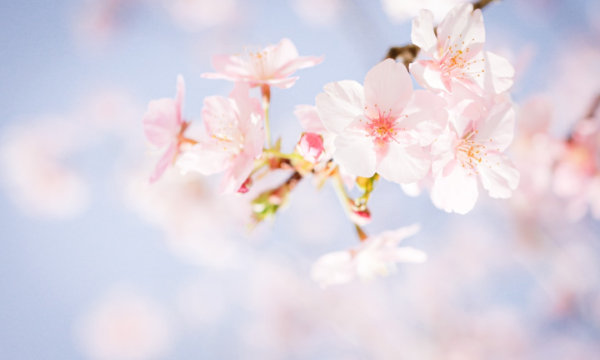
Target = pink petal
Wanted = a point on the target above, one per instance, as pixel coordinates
(161, 122)
(354, 151)
(179, 98)
(341, 103)
(426, 117)
(218, 112)
(206, 158)
(228, 67)
(404, 165)
(428, 75)
(280, 83)
(388, 88)
(254, 137)
(309, 118)
(163, 164)
(237, 174)
(499, 74)
(535, 116)
(396, 236)
(462, 25)
(296, 64)
(245, 104)
(499, 126)
(282, 54)
(498, 175)
(422, 33)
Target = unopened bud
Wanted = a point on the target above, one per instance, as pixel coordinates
(360, 218)
(245, 186)
(310, 147)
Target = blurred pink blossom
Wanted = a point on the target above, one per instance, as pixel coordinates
(269, 66)
(375, 256)
(125, 326)
(164, 127)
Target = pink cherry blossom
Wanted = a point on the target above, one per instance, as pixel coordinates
(375, 256)
(310, 147)
(474, 149)
(269, 66)
(233, 138)
(576, 173)
(457, 53)
(384, 126)
(164, 127)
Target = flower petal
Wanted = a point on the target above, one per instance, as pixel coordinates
(161, 122)
(228, 67)
(429, 76)
(498, 126)
(456, 192)
(354, 151)
(237, 174)
(425, 118)
(388, 88)
(422, 33)
(498, 175)
(341, 103)
(499, 74)
(163, 164)
(297, 64)
(334, 268)
(404, 165)
(462, 28)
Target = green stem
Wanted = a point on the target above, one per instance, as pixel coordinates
(340, 191)
(279, 154)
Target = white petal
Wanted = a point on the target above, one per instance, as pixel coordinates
(388, 88)
(499, 74)
(341, 103)
(354, 151)
(498, 175)
(404, 165)
(422, 32)
(334, 268)
(498, 126)
(456, 192)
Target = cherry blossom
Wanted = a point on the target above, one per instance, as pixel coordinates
(474, 149)
(383, 127)
(164, 127)
(457, 53)
(577, 174)
(233, 138)
(125, 326)
(269, 66)
(375, 256)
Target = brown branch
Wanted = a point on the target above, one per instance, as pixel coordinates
(593, 109)
(410, 52)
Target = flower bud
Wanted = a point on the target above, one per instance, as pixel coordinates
(310, 147)
(360, 218)
(245, 186)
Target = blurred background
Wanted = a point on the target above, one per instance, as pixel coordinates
(97, 264)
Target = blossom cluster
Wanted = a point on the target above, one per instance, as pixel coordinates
(449, 137)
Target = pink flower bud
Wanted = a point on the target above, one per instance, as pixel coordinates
(245, 186)
(311, 147)
(360, 218)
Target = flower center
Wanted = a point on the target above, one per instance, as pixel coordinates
(261, 62)
(383, 128)
(470, 153)
(453, 62)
